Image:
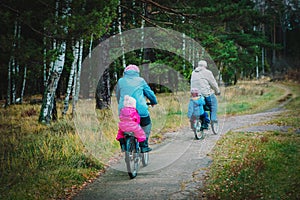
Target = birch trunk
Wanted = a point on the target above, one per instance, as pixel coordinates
(71, 79)
(8, 102)
(120, 32)
(77, 80)
(142, 37)
(24, 84)
(45, 61)
(74, 91)
(14, 64)
(183, 46)
(49, 95)
(49, 103)
(11, 71)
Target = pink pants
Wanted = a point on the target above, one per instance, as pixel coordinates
(130, 126)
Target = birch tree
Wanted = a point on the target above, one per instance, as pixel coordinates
(24, 84)
(71, 78)
(49, 94)
(120, 32)
(77, 79)
(11, 87)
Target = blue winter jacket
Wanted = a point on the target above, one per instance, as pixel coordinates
(196, 107)
(133, 85)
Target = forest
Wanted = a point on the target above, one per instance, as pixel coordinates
(44, 43)
(59, 59)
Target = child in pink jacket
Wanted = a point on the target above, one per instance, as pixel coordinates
(130, 122)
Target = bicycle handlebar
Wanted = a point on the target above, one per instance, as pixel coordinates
(149, 104)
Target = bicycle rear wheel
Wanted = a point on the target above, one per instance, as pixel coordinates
(131, 157)
(198, 131)
(215, 127)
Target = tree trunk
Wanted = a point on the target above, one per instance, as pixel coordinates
(120, 32)
(24, 84)
(103, 91)
(45, 62)
(142, 35)
(8, 100)
(11, 86)
(71, 78)
(77, 80)
(49, 95)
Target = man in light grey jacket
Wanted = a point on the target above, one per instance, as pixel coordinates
(204, 80)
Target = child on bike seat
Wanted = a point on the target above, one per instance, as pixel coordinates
(130, 122)
(196, 110)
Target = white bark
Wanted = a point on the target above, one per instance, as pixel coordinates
(13, 65)
(54, 76)
(120, 32)
(49, 96)
(8, 102)
(24, 84)
(54, 43)
(77, 80)
(91, 46)
(263, 60)
(142, 27)
(71, 78)
(45, 62)
(11, 87)
(257, 71)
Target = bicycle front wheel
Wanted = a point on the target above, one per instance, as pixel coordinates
(131, 157)
(198, 131)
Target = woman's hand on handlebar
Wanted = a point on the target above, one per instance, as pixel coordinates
(150, 104)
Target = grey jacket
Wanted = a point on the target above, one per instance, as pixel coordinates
(204, 80)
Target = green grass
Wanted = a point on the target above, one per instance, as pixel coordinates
(255, 166)
(261, 165)
(250, 97)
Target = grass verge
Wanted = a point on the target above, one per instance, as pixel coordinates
(262, 165)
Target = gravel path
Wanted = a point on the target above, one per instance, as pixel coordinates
(176, 168)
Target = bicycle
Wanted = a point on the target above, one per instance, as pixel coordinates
(133, 155)
(199, 131)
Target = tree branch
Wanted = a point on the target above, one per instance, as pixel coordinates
(171, 10)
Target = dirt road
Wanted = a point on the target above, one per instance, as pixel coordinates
(176, 166)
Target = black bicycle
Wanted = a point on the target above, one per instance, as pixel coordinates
(133, 155)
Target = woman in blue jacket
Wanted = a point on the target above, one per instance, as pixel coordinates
(135, 86)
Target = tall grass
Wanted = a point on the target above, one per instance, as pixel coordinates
(250, 97)
(39, 162)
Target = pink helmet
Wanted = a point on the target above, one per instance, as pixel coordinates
(132, 67)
